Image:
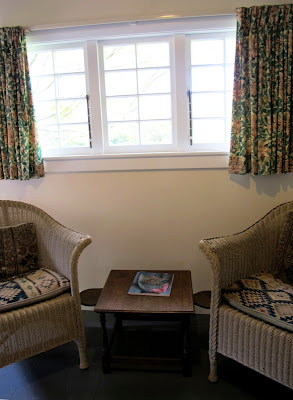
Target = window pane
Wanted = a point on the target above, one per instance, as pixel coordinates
(71, 86)
(48, 136)
(72, 111)
(230, 50)
(119, 57)
(74, 135)
(43, 88)
(46, 112)
(228, 127)
(229, 77)
(120, 83)
(208, 105)
(229, 104)
(40, 63)
(208, 130)
(154, 81)
(207, 52)
(207, 79)
(153, 55)
(123, 133)
(155, 107)
(122, 109)
(71, 60)
(156, 132)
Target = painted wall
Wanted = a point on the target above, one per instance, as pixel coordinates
(151, 219)
(32, 13)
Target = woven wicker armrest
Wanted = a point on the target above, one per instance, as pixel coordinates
(60, 248)
(61, 245)
(236, 256)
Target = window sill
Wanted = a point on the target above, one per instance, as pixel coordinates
(136, 162)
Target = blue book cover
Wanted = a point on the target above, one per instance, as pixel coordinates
(152, 283)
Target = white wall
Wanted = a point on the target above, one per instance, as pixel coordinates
(151, 219)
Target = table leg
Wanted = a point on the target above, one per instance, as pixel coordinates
(105, 348)
(187, 364)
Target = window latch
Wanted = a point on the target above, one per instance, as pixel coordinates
(89, 118)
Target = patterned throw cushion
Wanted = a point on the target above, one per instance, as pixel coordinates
(264, 297)
(36, 286)
(284, 256)
(18, 250)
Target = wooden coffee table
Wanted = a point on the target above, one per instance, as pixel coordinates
(178, 306)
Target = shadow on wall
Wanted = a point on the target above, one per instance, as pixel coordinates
(270, 185)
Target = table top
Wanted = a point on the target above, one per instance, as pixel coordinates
(115, 297)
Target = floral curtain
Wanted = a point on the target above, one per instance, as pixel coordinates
(262, 116)
(20, 156)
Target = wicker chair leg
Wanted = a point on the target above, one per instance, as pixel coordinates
(213, 376)
(82, 354)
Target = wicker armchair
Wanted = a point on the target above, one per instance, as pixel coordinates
(255, 344)
(30, 330)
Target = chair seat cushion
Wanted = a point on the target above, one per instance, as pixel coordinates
(32, 288)
(264, 297)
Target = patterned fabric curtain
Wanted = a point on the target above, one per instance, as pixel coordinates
(262, 127)
(20, 156)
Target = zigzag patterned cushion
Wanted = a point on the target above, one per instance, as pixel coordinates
(263, 297)
(36, 286)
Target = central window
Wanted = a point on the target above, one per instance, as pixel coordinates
(136, 92)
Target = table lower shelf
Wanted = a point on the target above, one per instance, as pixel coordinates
(183, 360)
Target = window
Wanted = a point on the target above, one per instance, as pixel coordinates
(148, 88)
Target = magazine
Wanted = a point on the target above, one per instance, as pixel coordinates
(152, 283)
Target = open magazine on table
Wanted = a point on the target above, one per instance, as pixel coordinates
(152, 283)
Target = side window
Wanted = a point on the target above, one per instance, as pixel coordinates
(137, 95)
(60, 97)
(212, 70)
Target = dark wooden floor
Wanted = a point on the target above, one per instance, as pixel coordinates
(55, 374)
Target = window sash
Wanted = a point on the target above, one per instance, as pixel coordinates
(221, 146)
(57, 99)
(108, 148)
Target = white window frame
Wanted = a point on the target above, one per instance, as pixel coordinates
(95, 158)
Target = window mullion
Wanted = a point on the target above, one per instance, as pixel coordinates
(93, 90)
(225, 91)
(138, 97)
(181, 99)
(56, 96)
